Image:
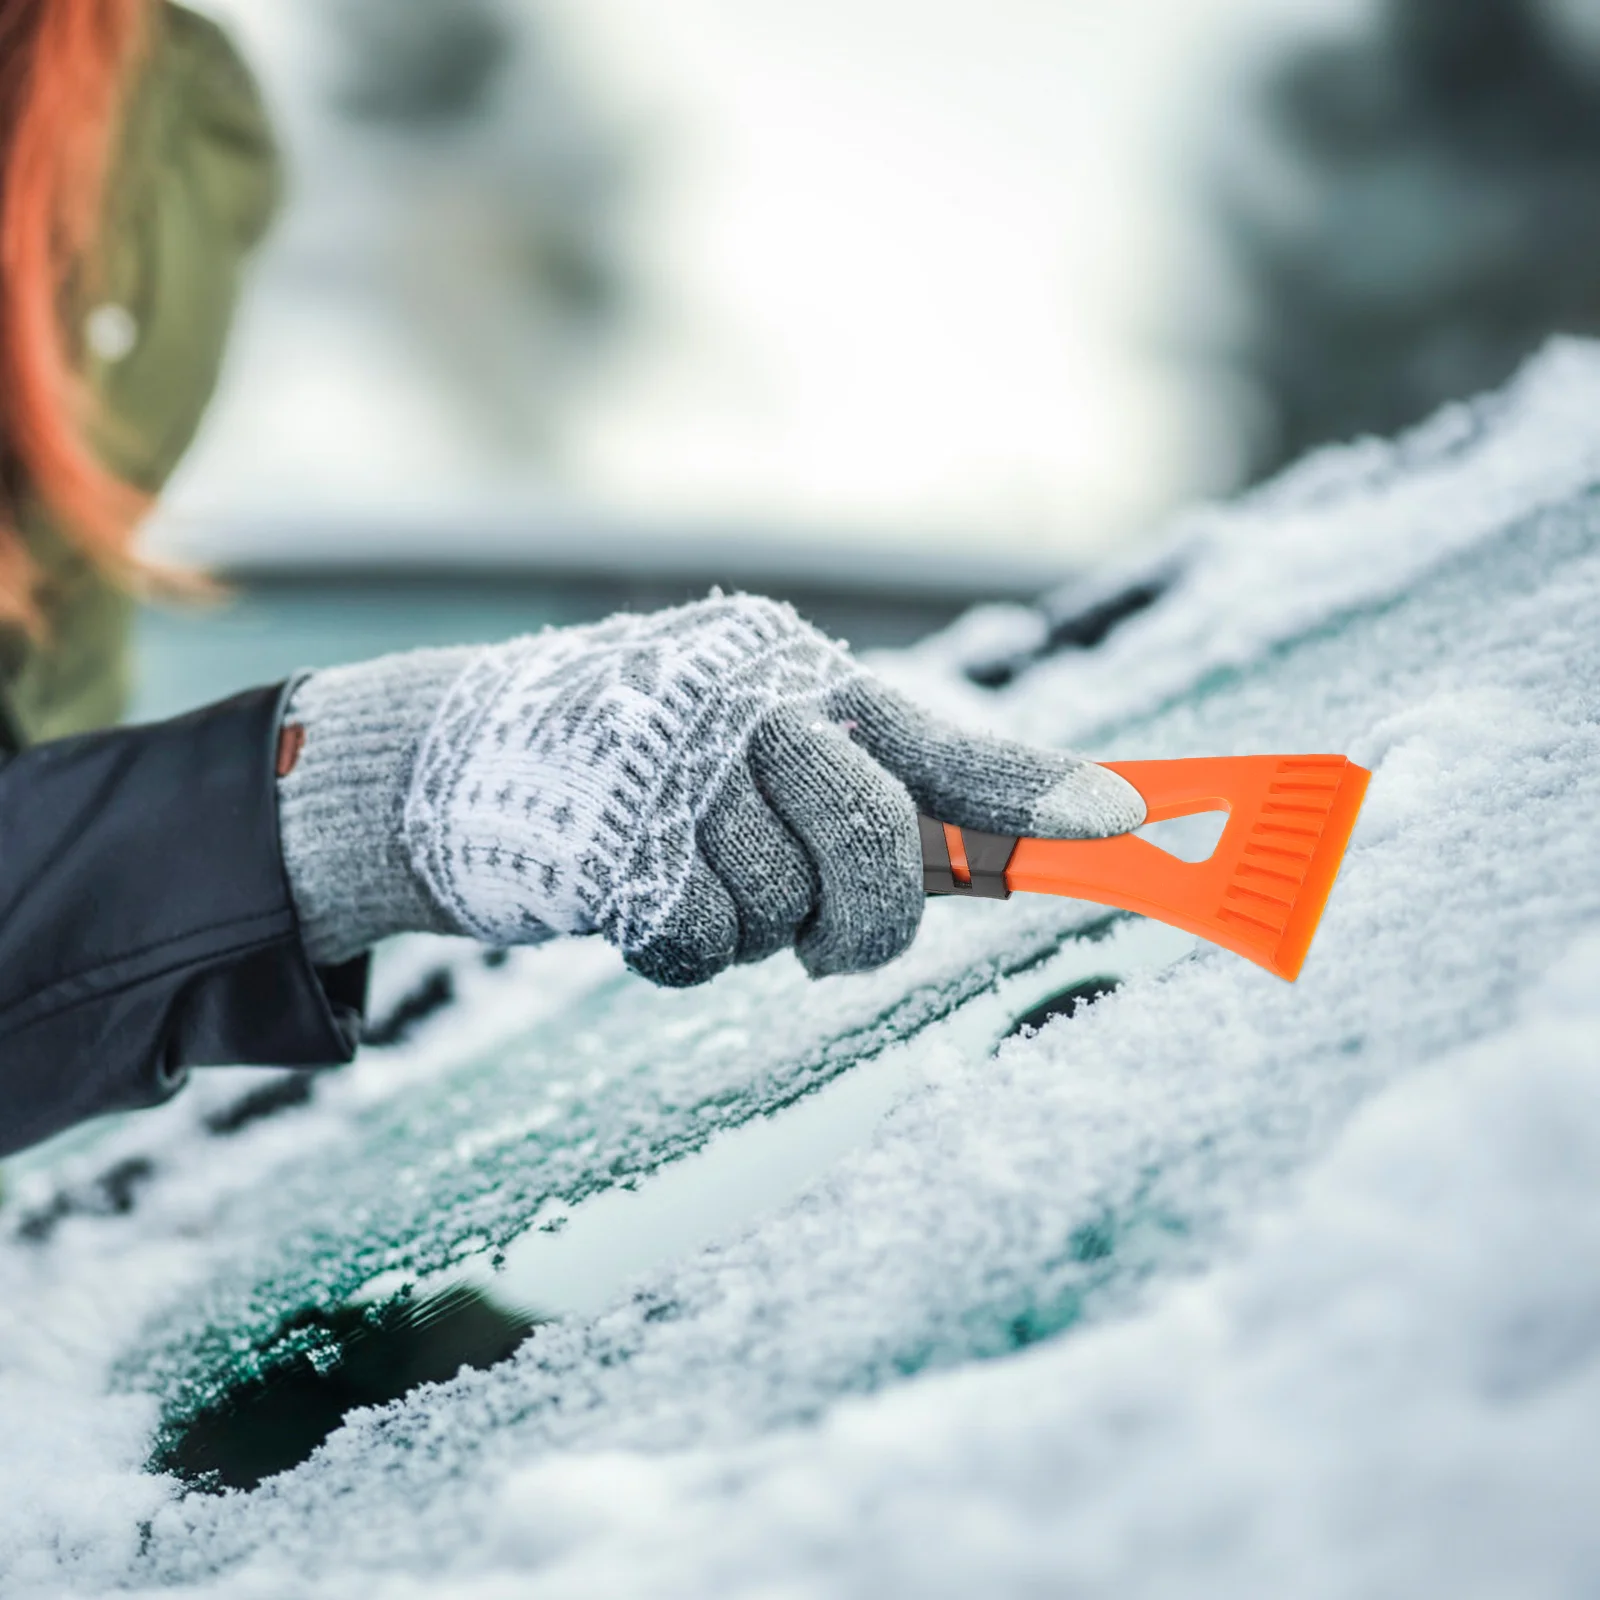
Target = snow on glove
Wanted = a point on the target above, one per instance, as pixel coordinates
(700, 786)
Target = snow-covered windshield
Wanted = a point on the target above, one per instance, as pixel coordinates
(1199, 1282)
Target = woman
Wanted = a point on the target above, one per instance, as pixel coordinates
(704, 786)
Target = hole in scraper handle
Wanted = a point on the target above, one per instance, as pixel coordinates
(1189, 838)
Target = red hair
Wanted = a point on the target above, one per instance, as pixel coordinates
(63, 67)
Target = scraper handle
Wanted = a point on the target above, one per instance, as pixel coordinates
(964, 860)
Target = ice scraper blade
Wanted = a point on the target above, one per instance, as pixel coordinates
(1261, 891)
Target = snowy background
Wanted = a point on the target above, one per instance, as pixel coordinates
(1220, 1286)
(916, 274)
(906, 304)
(885, 308)
(1017, 276)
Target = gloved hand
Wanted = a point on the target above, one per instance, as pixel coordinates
(700, 786)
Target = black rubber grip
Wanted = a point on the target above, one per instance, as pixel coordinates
(987, 856)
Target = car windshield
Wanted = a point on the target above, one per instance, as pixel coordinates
(1044, 1245)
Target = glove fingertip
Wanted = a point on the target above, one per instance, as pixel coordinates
(1090, 802)
(863, 943)
(698, 938)
(832, 959)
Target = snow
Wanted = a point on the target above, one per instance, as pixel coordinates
(1221, 1287)
(1392, 1392)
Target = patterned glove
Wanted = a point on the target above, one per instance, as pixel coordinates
(700, 786)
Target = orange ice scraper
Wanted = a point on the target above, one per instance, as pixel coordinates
(1260, 893)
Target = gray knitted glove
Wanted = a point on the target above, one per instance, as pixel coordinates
(701, 786)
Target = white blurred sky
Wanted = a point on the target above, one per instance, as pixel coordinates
(909, 266)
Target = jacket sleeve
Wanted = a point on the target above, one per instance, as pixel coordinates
(146, 924)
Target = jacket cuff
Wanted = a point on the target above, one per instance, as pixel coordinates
(146, 922)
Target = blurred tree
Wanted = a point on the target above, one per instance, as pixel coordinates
(460, 185)
(1410, 212)
(416, 62)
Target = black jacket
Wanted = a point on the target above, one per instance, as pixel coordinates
(146, 924)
